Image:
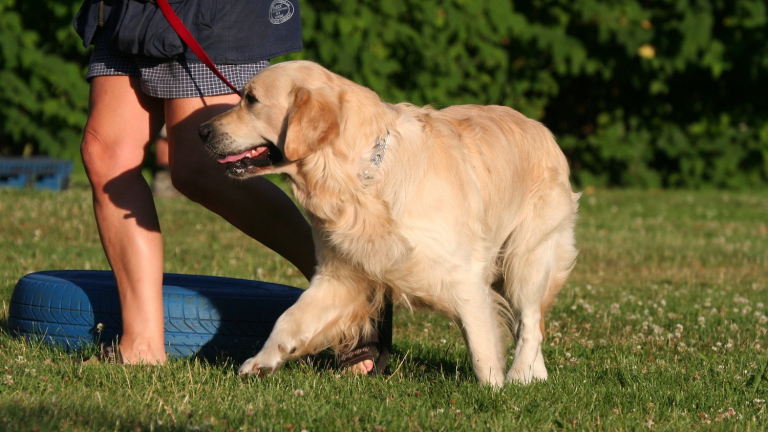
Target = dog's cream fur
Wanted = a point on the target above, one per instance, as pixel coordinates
(470, 213)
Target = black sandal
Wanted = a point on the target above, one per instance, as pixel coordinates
(110, 353)
(377, 348)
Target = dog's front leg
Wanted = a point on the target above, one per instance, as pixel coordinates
(482, 335)
(324, 314)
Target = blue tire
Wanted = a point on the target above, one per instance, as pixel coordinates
(205, 316)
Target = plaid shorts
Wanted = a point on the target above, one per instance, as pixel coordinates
(169, 78)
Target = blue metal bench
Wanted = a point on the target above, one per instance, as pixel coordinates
(39, 172)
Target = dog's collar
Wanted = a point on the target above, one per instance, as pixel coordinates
(379, 150)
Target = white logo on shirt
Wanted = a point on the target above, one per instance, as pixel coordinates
(280, 11)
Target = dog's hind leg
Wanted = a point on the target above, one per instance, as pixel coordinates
(331, 311)
(531, 277)
(536, 277)
(539, 257)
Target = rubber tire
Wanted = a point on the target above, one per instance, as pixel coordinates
(205, 316)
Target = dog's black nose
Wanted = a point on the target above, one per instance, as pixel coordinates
(205, 130)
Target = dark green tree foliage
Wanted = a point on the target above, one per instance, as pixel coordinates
(43, 97)
(639, 93)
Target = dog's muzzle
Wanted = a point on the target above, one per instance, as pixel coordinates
(239, 164)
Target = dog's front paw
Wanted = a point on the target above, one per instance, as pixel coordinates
(252, 367)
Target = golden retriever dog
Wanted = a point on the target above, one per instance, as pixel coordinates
(467, 210)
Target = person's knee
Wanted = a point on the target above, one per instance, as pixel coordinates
(106, 159)
(95, 155)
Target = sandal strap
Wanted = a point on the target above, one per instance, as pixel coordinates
(368, 351)
(377, 348)
(110, 354)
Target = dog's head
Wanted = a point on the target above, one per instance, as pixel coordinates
(287, 112)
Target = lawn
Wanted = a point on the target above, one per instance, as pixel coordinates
(662, 326)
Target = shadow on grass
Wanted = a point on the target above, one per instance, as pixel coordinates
(407, 360)
(4, 325)
(220, 321)
(18, 414)
(430, 363)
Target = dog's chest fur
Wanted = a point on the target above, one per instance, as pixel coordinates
(402, 225)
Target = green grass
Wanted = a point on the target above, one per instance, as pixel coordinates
(662, 326)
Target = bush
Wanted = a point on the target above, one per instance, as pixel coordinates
(639, 93)
(650, 94)
(43, 97)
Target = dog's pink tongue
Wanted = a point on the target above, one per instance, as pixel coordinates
(253, 154)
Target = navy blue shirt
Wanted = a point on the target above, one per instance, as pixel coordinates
(230, 31)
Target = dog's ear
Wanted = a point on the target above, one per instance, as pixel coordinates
(312, 121)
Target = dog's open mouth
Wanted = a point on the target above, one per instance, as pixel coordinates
(251, 160)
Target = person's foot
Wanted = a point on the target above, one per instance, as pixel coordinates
(113, 354)
(137, 352)
(142, 358)
(370, 357)
(363, 368)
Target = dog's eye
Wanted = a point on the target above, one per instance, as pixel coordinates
(251, 99)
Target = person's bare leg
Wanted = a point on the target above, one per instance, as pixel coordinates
(121, 123)
(255, 206)
(161, 152)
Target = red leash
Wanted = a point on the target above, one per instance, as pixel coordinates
(187, 37)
